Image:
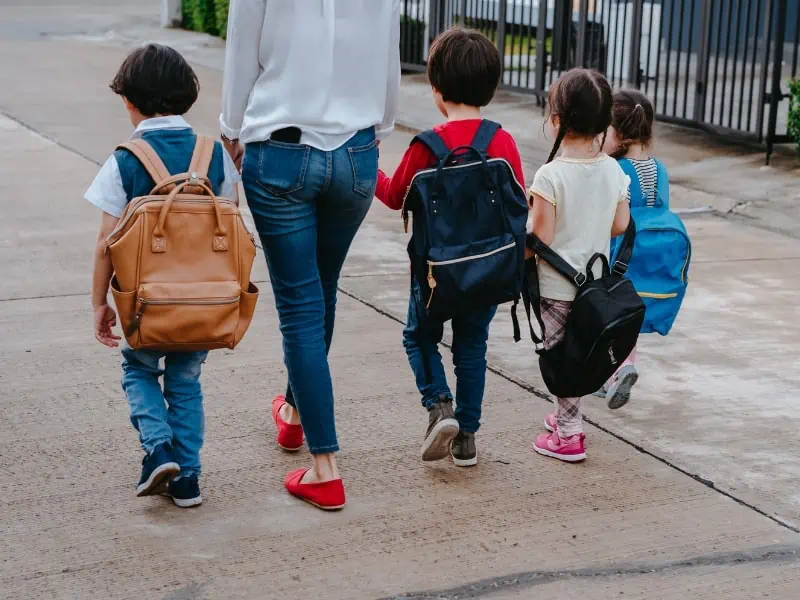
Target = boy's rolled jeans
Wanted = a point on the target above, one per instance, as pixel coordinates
(174, 414)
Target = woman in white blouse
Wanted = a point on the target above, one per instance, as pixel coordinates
(310, 89)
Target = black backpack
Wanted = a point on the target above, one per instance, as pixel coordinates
(602, 326)
(467, 250)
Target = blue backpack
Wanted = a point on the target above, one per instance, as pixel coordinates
(662, 251)
(467, 250)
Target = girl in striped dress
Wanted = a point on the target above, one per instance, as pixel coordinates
(629, 137)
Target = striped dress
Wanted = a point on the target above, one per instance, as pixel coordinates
(648, 178)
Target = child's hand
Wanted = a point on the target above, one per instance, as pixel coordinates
(104, 319)
(236, 151)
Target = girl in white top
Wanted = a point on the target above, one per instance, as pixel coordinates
(578, 205)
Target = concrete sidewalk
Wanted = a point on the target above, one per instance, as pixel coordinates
(633, 520)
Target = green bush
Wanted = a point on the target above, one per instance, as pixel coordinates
(187, 11)
(221, 13)
(207, 16)
(794, 112)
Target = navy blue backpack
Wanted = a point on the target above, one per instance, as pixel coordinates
(661, 254)
(467, 250)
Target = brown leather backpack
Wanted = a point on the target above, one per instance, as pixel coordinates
(182, 259)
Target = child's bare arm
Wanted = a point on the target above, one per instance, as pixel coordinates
(104, 316)
(621, 219)
(544, 221)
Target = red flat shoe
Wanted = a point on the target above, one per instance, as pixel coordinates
(290, 437)
(328, 495)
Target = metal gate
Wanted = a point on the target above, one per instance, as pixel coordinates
(720, 65)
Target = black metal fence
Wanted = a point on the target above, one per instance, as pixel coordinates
(721, 65)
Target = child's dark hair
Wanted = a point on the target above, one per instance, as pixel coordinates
(465, 67)
(632, 118)
(157, 80)
(581, 99)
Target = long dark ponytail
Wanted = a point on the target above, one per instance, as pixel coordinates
(582, 100)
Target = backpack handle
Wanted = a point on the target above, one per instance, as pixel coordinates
(590, 266)
(466, 151)
(159, 243)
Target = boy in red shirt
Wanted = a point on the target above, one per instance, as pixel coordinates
(464, 69)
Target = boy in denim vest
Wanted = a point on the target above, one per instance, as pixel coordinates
(157, 86)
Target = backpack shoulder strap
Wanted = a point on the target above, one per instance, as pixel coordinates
(147, 156)
(637, 195)
(484, 135)
(625, 250)
(434, 142)
(662, 184)
(201, 157)
(550, 256)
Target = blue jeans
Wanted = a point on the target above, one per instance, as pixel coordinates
(470, 333)
(307, 206)
(174, 414)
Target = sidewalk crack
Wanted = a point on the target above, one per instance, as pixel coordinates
(778, 554)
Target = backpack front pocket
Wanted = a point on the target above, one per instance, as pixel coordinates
(662, 308)
(173, 315)
(477, 274)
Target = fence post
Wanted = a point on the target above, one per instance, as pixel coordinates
(541, 47)
(764, 67)
(171, 13)
(432, 22)
(634, 63)
(776, 95)
(703, 60)
(580, 43)
(463, 13)
(501, 30)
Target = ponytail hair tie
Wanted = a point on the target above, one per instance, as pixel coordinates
(637, 106)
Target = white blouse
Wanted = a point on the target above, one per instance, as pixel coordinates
(329, 67)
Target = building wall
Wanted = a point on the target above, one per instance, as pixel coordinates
(687, 33)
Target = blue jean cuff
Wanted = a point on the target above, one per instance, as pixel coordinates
(148, 447)
(187, 472)
(324, 449)
(428, 402)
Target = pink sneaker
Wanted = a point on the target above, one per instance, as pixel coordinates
(550, 422)
(569, 449)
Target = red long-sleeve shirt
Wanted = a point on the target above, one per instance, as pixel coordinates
(392, 190)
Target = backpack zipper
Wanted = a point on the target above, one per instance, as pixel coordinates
(143, 302)
(657, 296)
(453, 261)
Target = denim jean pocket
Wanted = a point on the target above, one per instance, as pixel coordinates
(364, 160)
(282, 167)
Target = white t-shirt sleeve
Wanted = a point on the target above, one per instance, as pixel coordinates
(624, 184)
(232, 178)
(543, 185)
(107, 192)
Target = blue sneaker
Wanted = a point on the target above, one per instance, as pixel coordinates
(157, 467)
(185, 491)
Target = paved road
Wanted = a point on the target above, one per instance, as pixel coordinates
(517, 526)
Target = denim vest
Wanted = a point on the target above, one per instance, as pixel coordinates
(175, 148)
